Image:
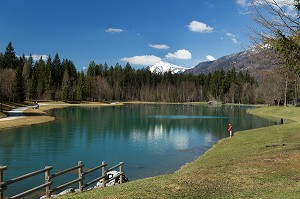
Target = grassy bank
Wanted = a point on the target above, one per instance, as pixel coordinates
(31, 117)
(38, 116)
(259, 163)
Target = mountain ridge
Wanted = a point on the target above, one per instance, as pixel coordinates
(254, 60)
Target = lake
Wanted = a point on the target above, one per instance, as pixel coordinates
(150, 139)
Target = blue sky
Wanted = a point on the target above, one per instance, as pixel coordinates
(142, 32)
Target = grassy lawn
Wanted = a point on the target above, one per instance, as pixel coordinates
(259, 163)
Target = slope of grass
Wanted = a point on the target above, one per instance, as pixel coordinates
(30, 117)
(259, 163)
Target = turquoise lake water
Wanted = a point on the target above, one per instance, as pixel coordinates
(150, 139)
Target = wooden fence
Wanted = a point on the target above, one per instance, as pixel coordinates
(48, 177)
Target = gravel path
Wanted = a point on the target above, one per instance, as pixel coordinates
(16, 113)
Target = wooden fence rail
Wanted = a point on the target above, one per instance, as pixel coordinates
(48, 177)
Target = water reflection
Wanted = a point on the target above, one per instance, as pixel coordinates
(150, 139)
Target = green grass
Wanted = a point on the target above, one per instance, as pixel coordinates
(258, 163)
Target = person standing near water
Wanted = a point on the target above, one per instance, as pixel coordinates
(230, 130)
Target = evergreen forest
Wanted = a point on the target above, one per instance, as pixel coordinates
(22, 79)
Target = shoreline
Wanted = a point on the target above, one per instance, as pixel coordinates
(257, 163)
(30, 116)
(243, 161)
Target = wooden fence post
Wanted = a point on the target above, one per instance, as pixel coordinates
(121, 170)
(2, 169)
(80, 176)
(47, 180)
(103, 174)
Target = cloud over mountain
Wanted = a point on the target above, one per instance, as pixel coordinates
(36, 57)
(145, 60)
(179, 54)
(210, 58)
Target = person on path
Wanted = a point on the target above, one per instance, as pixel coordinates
(230, 130)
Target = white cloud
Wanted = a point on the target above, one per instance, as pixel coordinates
(288, 4)
(36, 57)
(197, 26)
(281, 3)
(232, 37)
(244, 6)
(159, 46)
(230, 34)
(235, 40)
(180, 54)
(145, 60)
(113, 30)
(243, 3)
(210, 58)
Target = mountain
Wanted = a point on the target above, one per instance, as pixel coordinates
(255, 60)
(162, 67)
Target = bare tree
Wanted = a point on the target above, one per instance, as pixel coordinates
(273, 17)
(100, 89)
(7, 81)
(278, 30)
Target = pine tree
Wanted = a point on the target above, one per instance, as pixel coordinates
(58, 71)
(33, 86)
(19, 86)
(81, 87)
(41, 78)
(65, 86)
(26, 73)
(10, 59)
(72, 73)
(49, 78)
(65, 93)
(1, 60)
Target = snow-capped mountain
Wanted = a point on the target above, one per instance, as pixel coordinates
(162, 67)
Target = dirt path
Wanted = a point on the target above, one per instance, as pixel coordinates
(19, 111)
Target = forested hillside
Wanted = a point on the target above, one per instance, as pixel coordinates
(22, 78)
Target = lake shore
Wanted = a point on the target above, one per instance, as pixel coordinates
(257, 163)
(32, 116)
(38, 116)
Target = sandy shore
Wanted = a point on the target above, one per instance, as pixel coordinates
(26, 116)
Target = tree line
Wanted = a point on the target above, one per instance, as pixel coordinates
(22, 79)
